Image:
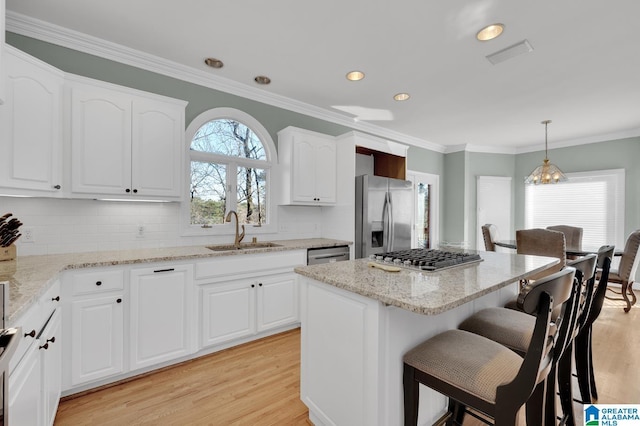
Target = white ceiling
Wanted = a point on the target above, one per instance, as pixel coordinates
(583, 74)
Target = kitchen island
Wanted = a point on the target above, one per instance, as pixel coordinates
(358, 321)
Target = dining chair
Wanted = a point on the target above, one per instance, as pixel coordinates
(489, 234)
(477, 372)
(572, 237)
(542, 242)
(625, 273)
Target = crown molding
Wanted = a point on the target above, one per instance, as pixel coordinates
(631, 133)
(480, 149)
(54, 34)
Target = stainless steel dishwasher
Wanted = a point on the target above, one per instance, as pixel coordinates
(327, 254)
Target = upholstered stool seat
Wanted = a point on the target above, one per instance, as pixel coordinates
(466, 361)
(511, 328)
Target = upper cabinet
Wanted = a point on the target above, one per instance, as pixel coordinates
(31, 125)
(124, 142)
(308, 167)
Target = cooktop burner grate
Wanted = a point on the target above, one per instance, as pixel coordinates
(426, 259)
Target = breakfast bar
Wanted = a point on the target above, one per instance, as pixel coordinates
(358, 321)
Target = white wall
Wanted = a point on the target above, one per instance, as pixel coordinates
(71, 226)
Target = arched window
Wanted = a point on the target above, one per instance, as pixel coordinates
(230, 156)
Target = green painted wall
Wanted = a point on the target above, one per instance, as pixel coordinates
(453, 196)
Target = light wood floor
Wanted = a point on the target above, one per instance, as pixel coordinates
(258, 383)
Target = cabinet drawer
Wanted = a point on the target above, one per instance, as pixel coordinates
(50, 300)
(97, 281)
(30, 322)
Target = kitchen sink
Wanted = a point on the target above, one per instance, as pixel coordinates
(243, 246)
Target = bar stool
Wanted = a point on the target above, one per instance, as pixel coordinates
(476, 372)
(583, 342)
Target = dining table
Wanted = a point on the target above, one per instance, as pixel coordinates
(570, 251)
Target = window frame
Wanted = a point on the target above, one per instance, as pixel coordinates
(269, 166)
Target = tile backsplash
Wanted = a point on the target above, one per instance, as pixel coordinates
(72, 226)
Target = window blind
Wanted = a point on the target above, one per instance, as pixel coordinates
(592, 200)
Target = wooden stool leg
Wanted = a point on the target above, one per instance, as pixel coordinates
(564, 386)
(581, 352)
(592, 377)
(535, 406)
(411, 396)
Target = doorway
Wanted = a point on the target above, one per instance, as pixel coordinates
(425, 226)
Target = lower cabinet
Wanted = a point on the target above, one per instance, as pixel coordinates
(228, 311)
(162, 316)
(240, 308)
(122, 320)
(25, 384)
(51, 359)
(97, 335)
(34, 382)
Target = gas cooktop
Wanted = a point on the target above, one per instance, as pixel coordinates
(426, 259)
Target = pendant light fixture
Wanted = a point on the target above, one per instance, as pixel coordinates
(547, 172)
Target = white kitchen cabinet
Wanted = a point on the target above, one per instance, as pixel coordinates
(93, 301)
(248, 295)
(277, 301)
(162, 316)
(51, 360)
(124, 142)
(239, 308)
(25, 397)
(308, 167)
(228, 311)
(97, 334)
(31, 125)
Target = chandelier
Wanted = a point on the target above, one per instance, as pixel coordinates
(547, 172)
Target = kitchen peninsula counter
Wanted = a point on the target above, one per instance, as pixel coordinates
(357, 322)
(30, 276)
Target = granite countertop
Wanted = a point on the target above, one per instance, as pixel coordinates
(30, 276)
(428, 293)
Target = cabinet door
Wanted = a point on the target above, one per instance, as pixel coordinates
(96, 338)
(51, 359)
(25, 396)
(158, 129)
(30, 123)
(228, 311)
(100, 141)
(162, 320)
(325, 171)
(277, 301)
(303, 177)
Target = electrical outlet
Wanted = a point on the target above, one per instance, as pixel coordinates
(28, 236)
(140, 231)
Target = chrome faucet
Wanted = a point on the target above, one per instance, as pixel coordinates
(239, 237)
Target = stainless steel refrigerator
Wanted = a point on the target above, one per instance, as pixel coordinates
(384, 211)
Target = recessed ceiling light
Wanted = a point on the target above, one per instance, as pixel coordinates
(355, 75)
(261, 79)
(401, 96)
(490, 32)
(214, 63)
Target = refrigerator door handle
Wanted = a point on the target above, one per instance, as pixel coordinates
(390, 220)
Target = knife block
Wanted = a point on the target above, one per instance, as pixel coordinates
(8, 253)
